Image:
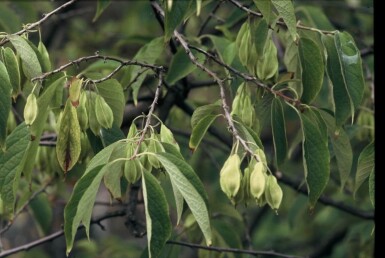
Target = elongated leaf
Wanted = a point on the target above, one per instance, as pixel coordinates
(101, 5)
(224, 48)
(5, 102)
(279, 131)
(314, 16)
(134, 75)
(80, 204)
(259, 36)
(316, 157)
(202, 111)
(9, 19)
(312, 69)
(191, 188)
(344, 67)
(365, 166)
(179, 201)
(200, 130)
(42, 212)
(112, 178)
(45, 62)
(31, 64)
(372, 187)
(265, 8)
(285, 9)
(175, 16)
(11, 164)
(109, 136)
(248, 134)
(157, 218)
(181, 66)
(112, 92)
(12, 65)
(341, 147)
(68, 140)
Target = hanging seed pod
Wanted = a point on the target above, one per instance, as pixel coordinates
(103, 112)
(154, 146)
(92, 120)
(267, 66)
(230, 176)
(273, 192)
(167, 136)
(30, 109)
(82, 112)
(257, 180)
(132, 170)
(74, 91)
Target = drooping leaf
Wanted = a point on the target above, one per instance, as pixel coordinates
(174, 16)
(11, 164)
(80, 204)
(101, 5)
(265, 8)
(224, 47)
(341, 147)
(45, 62)
(30, 61)
(112, 178)
(285, 9)
(68, 140)
(181, 66)
(365, 166)
(191, 188)
(179, 201)
(200, 129)
(12, 65)
(312, 69)
(314, 16)
(202, 111)
(344, 67)
(316, 157)
(5, 102)
(157, 217)
(259, 36)
(279, 131)
(109, 136)
(134, 75)
(112, 92)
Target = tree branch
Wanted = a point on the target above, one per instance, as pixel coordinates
(324, 199)
(231, 250)
(281, 23)
(57, 234)
(211, 15)
(35, 24)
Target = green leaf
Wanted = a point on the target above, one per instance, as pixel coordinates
(365, 166)
(109, 136)
(203, 111)
(279, 131)
(12, 65)
(80, 204)
(30, 61)
(68, 140)
(259, 36)
(11, 164)
(224, 47)
(5, 102)
(175, 16)
(265, 8)
(181, 66)
(36, 129)
(191, 188)
(316, 157)
(341, 147)
(248, 134)
(134, 75)
(372, 187)
(199, 130)
(9, 20)
(285, 9)
(314, 16)
(344, 68)
(112, 92)
(112, 178)
(42, 212)
(101, 5)
(157, 217)
(179, 201)
(45, 62)
(312, 69)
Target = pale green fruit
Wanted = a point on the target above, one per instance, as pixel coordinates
(257, 180)
(30, 109)
(273, 192)
(230, 176)
(103, 112)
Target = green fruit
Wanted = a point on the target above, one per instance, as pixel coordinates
(30, 109)
(74, 91)
(257, 180)
(273, 192)
(103, 112)
(230, 176)
(82, 112)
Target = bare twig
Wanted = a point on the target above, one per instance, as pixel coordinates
(24, 206)
(35, 24)
(57, 234)
(231, 250)
(326, 200)
(281, 23)
(105, 58)
(149, 115)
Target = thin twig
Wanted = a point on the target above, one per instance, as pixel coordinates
(105, 58)
(231, 250)
(24, 206)
(326, 200)
(35, 24)
(58, 234)
(212, 13)
(149, 115)
(281, 23)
